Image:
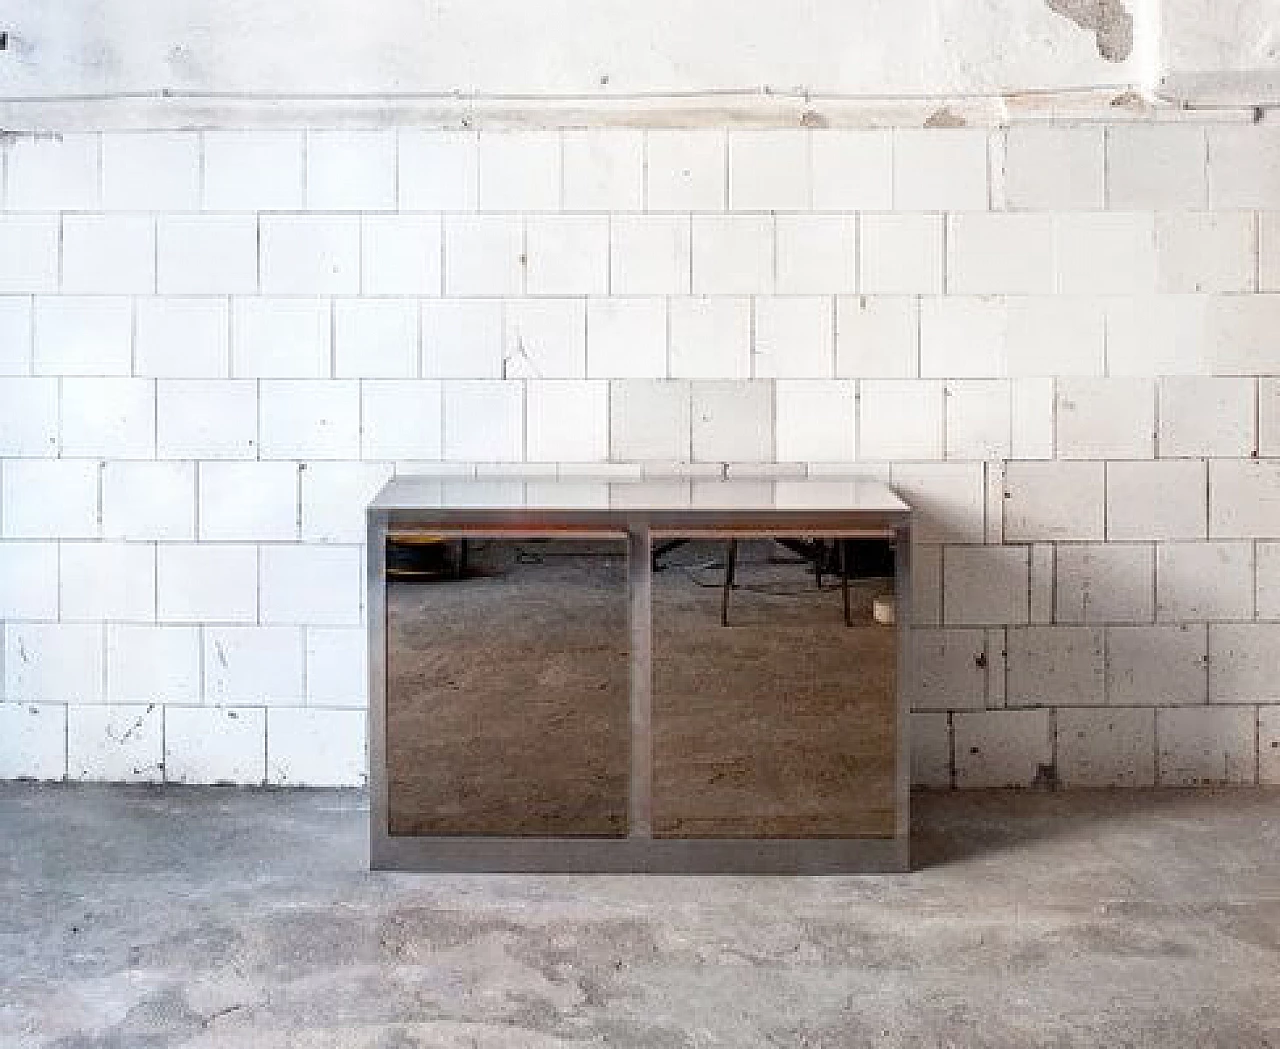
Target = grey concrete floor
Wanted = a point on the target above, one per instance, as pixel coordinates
(148, 918)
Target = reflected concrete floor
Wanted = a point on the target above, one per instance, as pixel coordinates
(147, 919)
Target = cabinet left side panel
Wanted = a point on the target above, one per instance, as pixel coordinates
(507, 687)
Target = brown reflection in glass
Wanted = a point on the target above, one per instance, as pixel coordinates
(507, 693)
(782, 723)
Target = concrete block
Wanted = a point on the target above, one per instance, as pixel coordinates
(54, 173)
(1031, 418)
(248, 502)
(1206, 252)
(567, 420)
(182, 338)
(986, 585)
(1052, 666)
(520, 171)
(1210, 581)
(627, 338)
(439, 169)
(900, 419)
(1106, 418)
(978, 423)
(901, 254)
(931, 751)
(1106, 748)
(151, 171)
(253, 169)
(351, 169)
(108, 255)
(207, 254)
(15, 335)
(1244, 167)
(310, 254)
(1160, 666)
(650, 255)
(109, 418)
(334, 497)
(49, 499)
(1242, 662)
(153, 664)
(877, 338)
(940, 169)
(1202, 416)
(310, 419)
(483, 255)
(483, 421)
(769, 169)
(337, 674)
(253, 664)
(1055, 167)
(198, 583)
(29, 408)
(567, 254)
(101, 581)
(1205, 746)
(545, 339)
(1106, 253)
(650, 420)
(29, 254)
(1267, 556)
(732, 422)
(312, 585)
(1156, 500)
(206, 419)
(83, 336)
(710, 338)
(1000, 254)
(35, 741)
(1240, 335)
(1054, 501)
(28, 581)
(686, 169)
(402, 419)
(732, 255)
(375, 338)
(1054, 336)
(964, 338)
(794, 337)
(926, 585)
(1002, 748)
(53, 662)
(401, 255)
(116, 744)
(281, 338)
(1156, 166)
(853, 169)
(316, 748)
(815, 420)
(1244, 499)
(1158, 335)
(1268, 245)
(603, 169)
(462, 339)
(947, 500)
(815, 254)
(1269, 745)
(1268, 418)
(1104, 583)
(215, 745)
(947, 670)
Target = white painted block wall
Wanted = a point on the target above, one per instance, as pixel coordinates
(1057, 340)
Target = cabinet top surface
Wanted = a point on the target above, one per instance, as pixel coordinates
(665, 495)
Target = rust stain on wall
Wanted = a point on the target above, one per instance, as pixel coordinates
(1109, 21)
